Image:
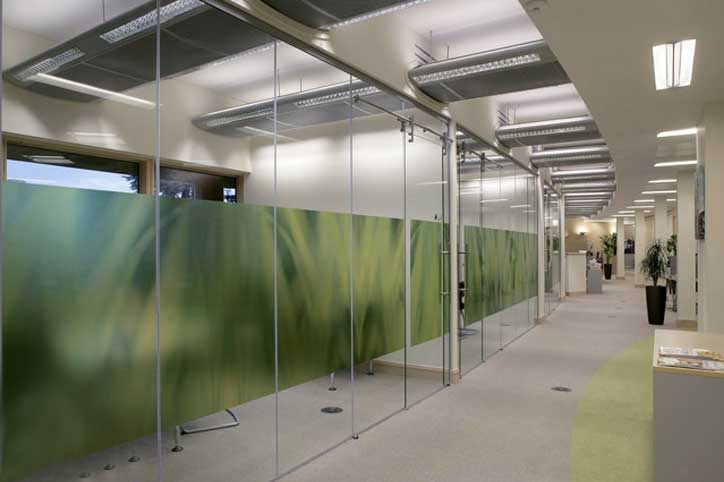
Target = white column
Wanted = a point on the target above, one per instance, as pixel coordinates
(641, 244)
(541, 248)
(712, 288)
(454, 250)
(620, 257)
(686, 247)
(562, 230)
(660, 220)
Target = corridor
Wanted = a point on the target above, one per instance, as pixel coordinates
(505, 423)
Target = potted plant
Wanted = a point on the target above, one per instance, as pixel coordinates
(609, 249)
(653, 266)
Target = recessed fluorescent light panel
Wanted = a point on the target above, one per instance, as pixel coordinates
(691, 131)
(674, 64)
(671, 200)
(484, 201)
(671, 191)
(675, 163)
(639, 207)
(644, 200)
(662, 181)
(91, 90)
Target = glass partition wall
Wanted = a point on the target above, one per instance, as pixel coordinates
(552, 250)
(220, 256)
(497, 261)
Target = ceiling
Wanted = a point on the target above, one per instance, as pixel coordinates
(59, 21)
(453, 28)
(605, 46)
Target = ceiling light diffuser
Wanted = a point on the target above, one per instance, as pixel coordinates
(476, 69)
(639, 207)
(671, 200)
(675, 163)
(91, 90)
(50, 64)
(661, 181)
(644, 200)
(147, 21)
(484, 201)
(690, 131)
(670, 191)
(376, 13)
(569, 194)
(674, 64)
(580, 172)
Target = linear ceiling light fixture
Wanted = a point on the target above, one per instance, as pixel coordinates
(337, 96)
(662, 181)
(543, 132)
(671, 200)
(675, 163)
(580, 172)
(690, 131)
(499, 200)
(375, 13)
(644, 200)
(669, 191)
(91, 90)
(255, 114)
(147, 21)
(50, 64)
(674, 64)
(639, 207)
(476, 69)
(578, 194)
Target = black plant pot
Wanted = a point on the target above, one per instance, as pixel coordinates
(607, 270)
(656, 304)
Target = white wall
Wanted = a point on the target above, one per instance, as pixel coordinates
(313, 168)
(713, 264)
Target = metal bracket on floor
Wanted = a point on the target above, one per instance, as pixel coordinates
(234, 423)
(370, 368)
(331, 388)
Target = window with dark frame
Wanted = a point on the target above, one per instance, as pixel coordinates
(183, 184)
(35, 165)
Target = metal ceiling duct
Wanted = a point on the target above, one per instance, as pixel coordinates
(573, 156)
(548, 132)
(121, 53)
(300, 109)
(330, 14)
(511, 69)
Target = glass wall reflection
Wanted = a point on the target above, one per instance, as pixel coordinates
(79, 326)
(251, 233)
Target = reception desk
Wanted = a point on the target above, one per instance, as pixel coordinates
(688, 423)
